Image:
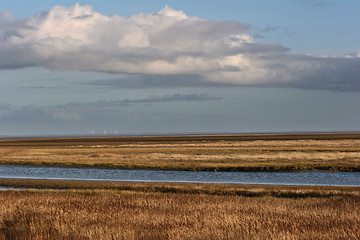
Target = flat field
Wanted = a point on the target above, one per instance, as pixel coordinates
(269, 152)
(115, 210)
(153, 214)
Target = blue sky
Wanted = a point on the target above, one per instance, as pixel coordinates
(142, 67)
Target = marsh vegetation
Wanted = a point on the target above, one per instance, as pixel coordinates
(289, 152)
(154, 214)
(120, 210)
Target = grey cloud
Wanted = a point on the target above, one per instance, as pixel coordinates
(298, 71)
(83, 16)
(339, 74)
(252, 48)
(159, 81)
(39, 87)
(164, 49)
(335, 74)
(270, 28)
(73, 111)
(152, 99)
(174, 98)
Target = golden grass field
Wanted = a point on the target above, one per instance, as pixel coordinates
(287, 152)
(117, 210)
(126, 214)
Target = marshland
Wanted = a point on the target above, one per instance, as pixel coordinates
(281, 152)
(77, 76)
(43, 209)
(139, 214)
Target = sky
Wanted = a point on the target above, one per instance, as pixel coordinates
(179, 67)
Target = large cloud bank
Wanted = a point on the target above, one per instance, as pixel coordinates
(164, 43)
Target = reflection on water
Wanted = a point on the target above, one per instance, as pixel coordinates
(94, 174)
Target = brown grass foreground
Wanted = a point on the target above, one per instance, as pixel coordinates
(114, 214)
(272, 152)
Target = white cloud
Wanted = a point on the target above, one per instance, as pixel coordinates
(78, 38)
(6, 16)
(354, 55)
(166, 42)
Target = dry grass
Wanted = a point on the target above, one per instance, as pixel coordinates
(188, 188)
(109, 214)
(115, 210)
(334, 152)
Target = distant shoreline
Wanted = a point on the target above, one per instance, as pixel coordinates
(124, 135)
(258, 136)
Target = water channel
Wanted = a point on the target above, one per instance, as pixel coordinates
(268, 178)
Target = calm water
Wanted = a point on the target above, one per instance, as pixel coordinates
(94, 174)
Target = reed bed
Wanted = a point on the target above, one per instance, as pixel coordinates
(118, 210)
(245, 190)
(290, 152)
(113, 214)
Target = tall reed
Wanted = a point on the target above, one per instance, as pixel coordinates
(104, 214)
